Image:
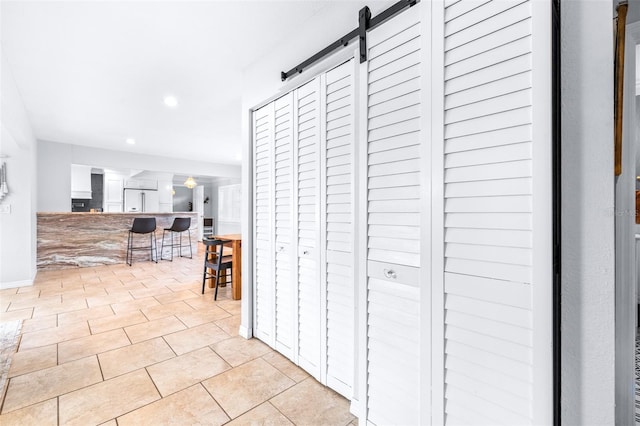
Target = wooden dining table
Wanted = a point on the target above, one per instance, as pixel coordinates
(235, 243)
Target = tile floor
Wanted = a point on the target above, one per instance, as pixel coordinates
(120, 345)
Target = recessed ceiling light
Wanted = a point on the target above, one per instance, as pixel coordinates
(131, 141)
(170, 101)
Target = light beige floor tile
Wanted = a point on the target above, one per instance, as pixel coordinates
(287, 367)
(202, 302)
(126, 288)
(133, 357)
(54, 335)
(150, 291)
(38, 324)
(186, 370)
(112, 322)
(91, 345)
(231, 325)
(195, 338)
(30, 360)
(202, 315)
(247, 386)
(107, 400)
(111, 422)
(29, 300)
(176, 296)
(156, 328)
(21, 314)
(239, 350)
(310, 403)
(161, 311)
(263, 415)
(84, 315)
(231, 306)
(48, 383)
(134, 305)
(109, 299)
(196, 289)
(192, 406)
(6, 292)
(74, 304)
(41, 414)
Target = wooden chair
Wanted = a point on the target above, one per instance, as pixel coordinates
(215, 262)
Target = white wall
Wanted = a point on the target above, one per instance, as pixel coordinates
(54, 181)
(55, 159)
(18, 228)
(588, 261)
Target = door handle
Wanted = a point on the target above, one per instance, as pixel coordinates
(390, 273)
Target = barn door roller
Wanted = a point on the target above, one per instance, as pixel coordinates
(365, 23)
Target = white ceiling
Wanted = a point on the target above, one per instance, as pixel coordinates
(95, 72)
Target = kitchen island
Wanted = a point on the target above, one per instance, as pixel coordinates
(71, 240)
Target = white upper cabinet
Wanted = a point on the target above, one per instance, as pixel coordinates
(80, 181)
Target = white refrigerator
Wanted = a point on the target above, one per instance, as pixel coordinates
(141, 200)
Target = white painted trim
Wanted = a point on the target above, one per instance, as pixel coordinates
(247, 223)
(360, 237)
(437, 213)
(542, 214)
(295, 229)
(16, 284)
(423, 15)
(321, 225)
(245, 332)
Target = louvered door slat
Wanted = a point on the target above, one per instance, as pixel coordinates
(263, 218)
(394, 136)
(339, 225)
(284, 296)
(489, 212)
(307, 111)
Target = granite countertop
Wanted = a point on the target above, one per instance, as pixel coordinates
(94, 213)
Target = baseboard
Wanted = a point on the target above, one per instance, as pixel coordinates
(246, 332)
(15, 284)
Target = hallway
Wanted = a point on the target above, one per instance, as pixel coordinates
(120, 345)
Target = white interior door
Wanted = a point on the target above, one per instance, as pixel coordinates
(198, 205)
(395, 140)
(497, 214)
(284, 261)
(337, 224)
(307, 199)
(263, 283)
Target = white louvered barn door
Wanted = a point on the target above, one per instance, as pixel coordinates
(497, 303)
(338, 182)
(283, 206)
(307, 173)
(263, 224)
(395, 141)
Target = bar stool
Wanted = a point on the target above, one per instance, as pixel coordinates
(215, 262)
(180, 225)
(142, 225)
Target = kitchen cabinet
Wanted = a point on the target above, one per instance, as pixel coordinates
(113, 194)
(80, 181)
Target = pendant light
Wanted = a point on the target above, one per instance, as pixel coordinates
(190, 183)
